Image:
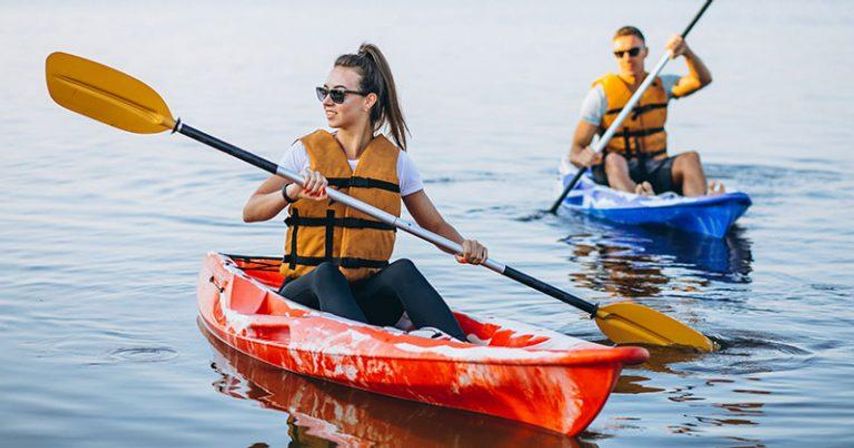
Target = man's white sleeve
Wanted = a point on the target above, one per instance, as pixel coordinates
(594, 106)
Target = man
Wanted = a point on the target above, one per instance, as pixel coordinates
(635, 159)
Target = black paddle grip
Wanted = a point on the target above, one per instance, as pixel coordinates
(696, 18)
(546, 288)
(227, 148)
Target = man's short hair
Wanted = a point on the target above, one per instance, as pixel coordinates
(629, 30)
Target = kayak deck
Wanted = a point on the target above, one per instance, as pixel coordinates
(706, 215)
(512, 371)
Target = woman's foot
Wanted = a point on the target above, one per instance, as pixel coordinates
(715, 188)
(644, 189)
(431, 333)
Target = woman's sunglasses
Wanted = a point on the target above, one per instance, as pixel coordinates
(632, 52)
(336, 95)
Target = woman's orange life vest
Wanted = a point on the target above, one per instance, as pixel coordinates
(642, 132)
(320, 231)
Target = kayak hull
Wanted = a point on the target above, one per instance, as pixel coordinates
(322, 411)
(706, 215)
(515, 372)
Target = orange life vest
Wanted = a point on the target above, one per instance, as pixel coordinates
(320, 231)
(642, 132)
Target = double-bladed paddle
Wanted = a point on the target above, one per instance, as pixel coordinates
(627, 109)
(114, 98)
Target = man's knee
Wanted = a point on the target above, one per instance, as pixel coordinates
(614, 161)
(690, 158)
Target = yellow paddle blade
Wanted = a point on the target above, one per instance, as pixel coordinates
(630, 323)
(106, 95)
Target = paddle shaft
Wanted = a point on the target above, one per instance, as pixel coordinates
(387, 218)
(627, 109)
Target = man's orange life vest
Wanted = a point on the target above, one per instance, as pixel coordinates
(320, 231)
(642, 132)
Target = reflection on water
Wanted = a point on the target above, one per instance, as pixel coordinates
(716, 405)
(634, 384)
(326, 414)
(637, 262)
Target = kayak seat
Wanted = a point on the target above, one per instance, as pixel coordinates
(274, 305)
(246, 298)
(269, 328)
(262, 269)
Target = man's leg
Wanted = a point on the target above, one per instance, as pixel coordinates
(688, 173)
(619, 177)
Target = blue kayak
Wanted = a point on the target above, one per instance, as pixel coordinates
(707, 215)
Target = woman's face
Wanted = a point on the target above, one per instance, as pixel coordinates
(356, 108)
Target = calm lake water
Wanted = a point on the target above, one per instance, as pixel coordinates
(104, 231)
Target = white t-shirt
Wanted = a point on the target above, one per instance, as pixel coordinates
(595, 104)
(296, 159)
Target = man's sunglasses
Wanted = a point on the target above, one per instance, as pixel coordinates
(632, 52)
(336, 95)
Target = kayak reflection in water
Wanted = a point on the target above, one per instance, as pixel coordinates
(635, 159)
(337, 258)
(324, 414)
(639, 262)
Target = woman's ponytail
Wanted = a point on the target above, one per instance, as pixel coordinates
(377, 79)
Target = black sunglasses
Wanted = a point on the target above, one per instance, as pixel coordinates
(632, 52)
(337, 95)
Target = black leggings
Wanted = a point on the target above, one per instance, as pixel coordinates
(378, 300)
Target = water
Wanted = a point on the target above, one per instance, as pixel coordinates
(104, 231)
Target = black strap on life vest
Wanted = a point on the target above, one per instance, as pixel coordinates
(330, 233)
(627, 142)
(346, 262)
(330, 222)
(631, 151)
(637, 150)
(642, 132)
(639, 110)
(347, 222)
(295, 215)
(363, 182)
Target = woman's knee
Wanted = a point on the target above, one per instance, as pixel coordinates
(326, 270)
(326, 267)
(402, 271)
(402, 265)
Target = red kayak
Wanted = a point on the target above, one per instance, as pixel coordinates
(320, 412)
(508, 370)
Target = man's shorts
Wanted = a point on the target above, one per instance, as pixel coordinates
(658, 172)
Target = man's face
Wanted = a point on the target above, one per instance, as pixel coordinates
(623, 47)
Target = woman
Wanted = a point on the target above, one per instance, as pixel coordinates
(336, 258)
